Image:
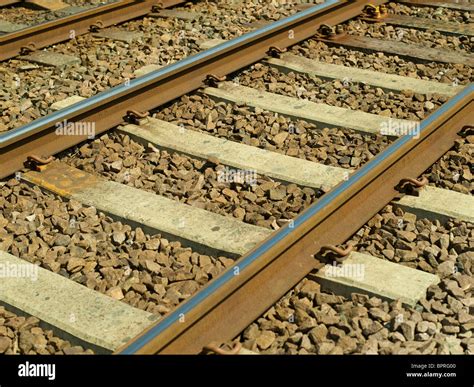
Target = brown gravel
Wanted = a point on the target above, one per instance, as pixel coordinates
(247, 12)
(266, 203)
(355, 96)
(432, 38)
(23, 336)
(401, 237)
(96, 3)
(330, 146)
(437, 13)
(31, 16)
(392, 64)
(307, 320)
(145, 271)
(455, 169)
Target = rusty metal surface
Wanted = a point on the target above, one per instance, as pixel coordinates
(228, 304)
(62, 179)
(58, 30)
(107, 109)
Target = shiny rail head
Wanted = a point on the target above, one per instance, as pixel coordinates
(279, 235)
(48, 121)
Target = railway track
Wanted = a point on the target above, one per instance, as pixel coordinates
(262, 182)
(96, 61)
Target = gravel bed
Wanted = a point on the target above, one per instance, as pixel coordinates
(392, 64)
(355, 96)
(78, 3)
(431, 246)
(429, 38)
(437, 13)
(455, 169)
(203, 184)
(307, 320)
(31, 89)
(23, 336)
(145, 271)
(31, 16)
(330, 146)
(248, 13)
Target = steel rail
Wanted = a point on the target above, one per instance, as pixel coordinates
(107, 109)
(228, 304)
(65, 28)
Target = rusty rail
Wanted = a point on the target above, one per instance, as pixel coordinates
(231, 302)
(107, 109)
(65, 28)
